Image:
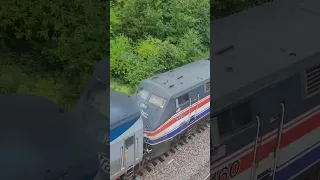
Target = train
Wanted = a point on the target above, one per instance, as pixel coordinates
(165, 108)
(265, 110)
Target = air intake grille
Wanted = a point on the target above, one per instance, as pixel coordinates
(313, 80)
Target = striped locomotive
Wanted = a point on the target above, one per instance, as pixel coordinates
(165, 108)
(265, 121)
(173, 103)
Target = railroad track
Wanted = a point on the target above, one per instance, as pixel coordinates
(207, 177)
(166, 157)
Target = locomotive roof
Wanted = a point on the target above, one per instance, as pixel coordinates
(177, 80)
(271, 39)
(123, 109)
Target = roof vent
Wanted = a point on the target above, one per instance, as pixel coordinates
(313, 80)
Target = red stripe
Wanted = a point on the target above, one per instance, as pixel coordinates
(173, 119)
(300, 130)
(287, 138)
(302, 117)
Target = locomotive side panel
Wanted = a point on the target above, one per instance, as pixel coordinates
(126, 150)
(299, 143)
(115, 158)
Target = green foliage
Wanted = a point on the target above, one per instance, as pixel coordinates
(117, 85)
(121, 52)
(153, 36)
(51, 39)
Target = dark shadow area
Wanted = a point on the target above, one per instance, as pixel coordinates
(54, 86)
(40, 140)
(265, 121)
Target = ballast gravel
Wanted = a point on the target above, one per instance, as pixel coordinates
(191, 162)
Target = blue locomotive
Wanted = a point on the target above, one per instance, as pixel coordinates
(165, 108)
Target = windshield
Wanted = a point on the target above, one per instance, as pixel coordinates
(143, 93)
(157, 101)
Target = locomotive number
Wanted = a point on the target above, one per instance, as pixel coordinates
(227, 172)
(104, 162)
(144, 114)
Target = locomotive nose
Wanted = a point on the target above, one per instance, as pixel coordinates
(93, 109)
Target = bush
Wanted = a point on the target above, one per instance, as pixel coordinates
(52, 39)
(150, 37)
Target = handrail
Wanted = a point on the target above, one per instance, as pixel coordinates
(190, 109)
(255, 149)
(278, 143)
(197, 107)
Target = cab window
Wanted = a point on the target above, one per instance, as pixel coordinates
(143, 93)
(157, 101)
(182, 100)
(207, 87)
(234, 119)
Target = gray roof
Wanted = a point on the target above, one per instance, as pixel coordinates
(123, 109)
(175, 81)
(261, 41)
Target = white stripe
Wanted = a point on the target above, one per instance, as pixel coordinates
(297, 147)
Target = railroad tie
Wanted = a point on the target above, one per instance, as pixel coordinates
(161, 159)
(140, 173)
(154, 163)
(148, 169)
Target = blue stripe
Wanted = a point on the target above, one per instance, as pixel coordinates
(298, 165)
(181, 128)
(116, 132)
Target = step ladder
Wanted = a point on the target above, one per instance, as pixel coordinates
(130, 173)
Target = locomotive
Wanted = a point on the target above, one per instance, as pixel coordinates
(265, 117)
(165, 108)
